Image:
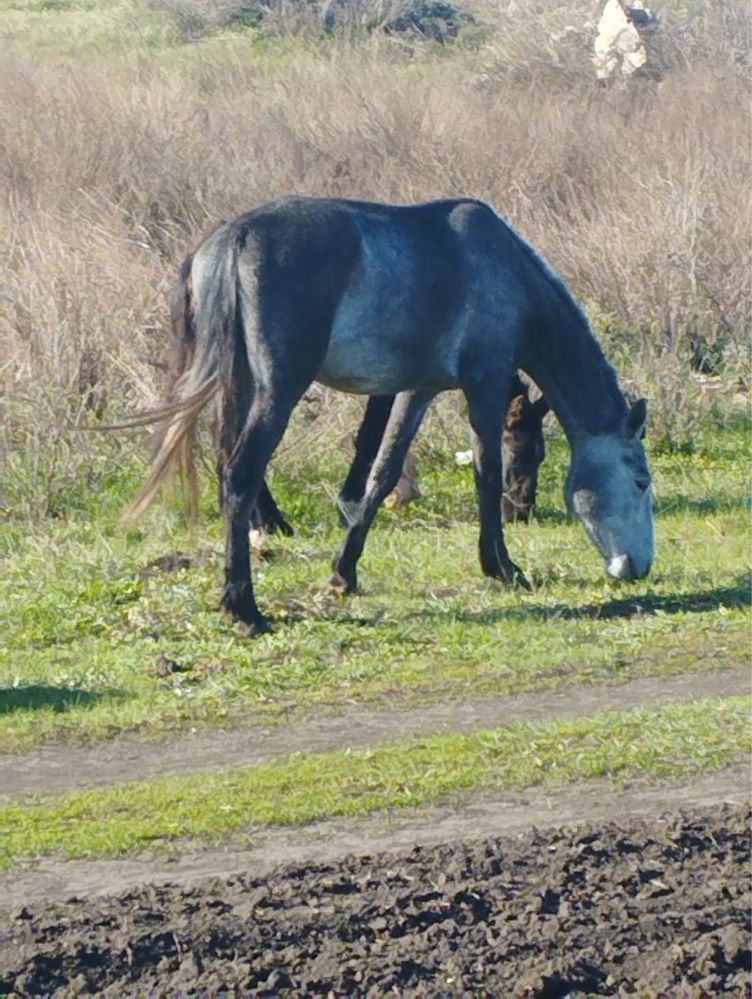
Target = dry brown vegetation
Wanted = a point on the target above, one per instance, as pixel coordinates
(114, 165)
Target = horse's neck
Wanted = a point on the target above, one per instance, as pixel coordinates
(568, 364)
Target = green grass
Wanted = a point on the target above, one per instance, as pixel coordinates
(91, 633)
(165, 34)
(663, 742)
(98, 642)
(124, 29)
(76, 27)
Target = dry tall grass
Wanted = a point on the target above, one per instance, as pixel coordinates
(112, 169)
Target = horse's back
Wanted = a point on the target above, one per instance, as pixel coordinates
(380, 297)
(395, 322)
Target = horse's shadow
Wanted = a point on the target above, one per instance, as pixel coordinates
(737, 595)
(334, 612)
(673, 503)
(39, 696)
(548, 514)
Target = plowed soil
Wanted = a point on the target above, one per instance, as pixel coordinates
(658, 905)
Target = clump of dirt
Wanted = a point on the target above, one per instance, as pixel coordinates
(657, 906)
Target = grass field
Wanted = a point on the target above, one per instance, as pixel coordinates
(130, 128)
(100, 644)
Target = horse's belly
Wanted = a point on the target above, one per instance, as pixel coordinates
(362, 366)
(384, 349)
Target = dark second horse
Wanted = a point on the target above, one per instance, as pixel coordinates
(406, 301)
(523, 444)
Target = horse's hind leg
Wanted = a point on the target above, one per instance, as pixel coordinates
(367, 443)
(407, 411)
(266, 515)
(243, 479)
(486, 418)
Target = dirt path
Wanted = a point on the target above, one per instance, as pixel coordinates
(545, 892)
(467, 818)
(62, 768)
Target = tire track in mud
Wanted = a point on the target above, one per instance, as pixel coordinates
(57, 768)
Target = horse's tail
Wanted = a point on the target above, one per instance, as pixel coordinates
(182, 351)
(203, 327)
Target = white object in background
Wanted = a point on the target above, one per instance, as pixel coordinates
(619, 49)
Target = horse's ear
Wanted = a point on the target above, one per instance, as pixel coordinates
(541, 407)
(516, 411)
(636, 419)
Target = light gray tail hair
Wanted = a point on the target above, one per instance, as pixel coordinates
(177, 440)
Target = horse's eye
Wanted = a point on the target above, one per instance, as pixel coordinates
(642, 484)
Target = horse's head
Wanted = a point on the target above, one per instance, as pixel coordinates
(608, 487)
(522, 450)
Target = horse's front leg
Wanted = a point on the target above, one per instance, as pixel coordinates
(487, 418)
(407, 411)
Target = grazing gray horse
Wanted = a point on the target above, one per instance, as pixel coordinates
(383, 299)
(523, 444)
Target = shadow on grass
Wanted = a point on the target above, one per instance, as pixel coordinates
(332, 610)
(35, 696)
(738, 595)
(664, 505)
(683, 504)
(545, 514)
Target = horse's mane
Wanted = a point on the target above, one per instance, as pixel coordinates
(554, 279)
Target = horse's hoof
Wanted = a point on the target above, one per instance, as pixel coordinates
(279, 527)
(514, 576)
(507, 573)
(259, 626)
(519, 579)
(343, 587)
(237, 600)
